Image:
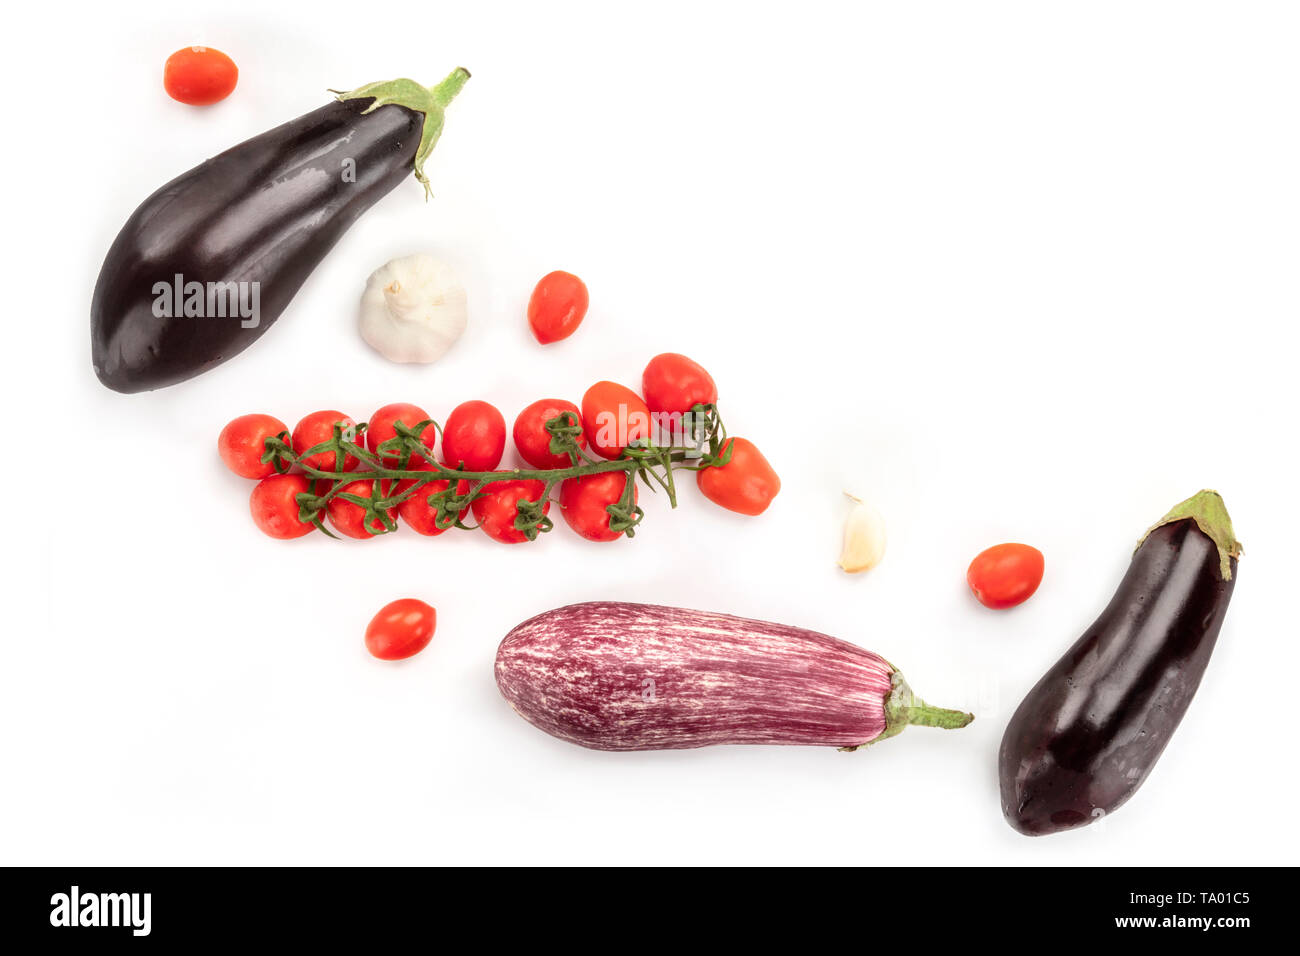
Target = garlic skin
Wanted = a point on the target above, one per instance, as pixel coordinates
(864, 537)
(413, 309)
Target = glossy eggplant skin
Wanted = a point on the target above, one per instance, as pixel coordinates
(262, 214)
(1090, 731)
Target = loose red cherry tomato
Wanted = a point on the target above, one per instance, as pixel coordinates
(348, 518)
(1005, 575)
(380, 429)
(199, 76)
(241, 444)
(583, 502)
(534, 441)
(613, 416)
(319, 427)
(557, 307)
(416, 512)
(674, 383)
(746, 484)
(274, 506)
(474, 437)
(401, 629)
(496, 509)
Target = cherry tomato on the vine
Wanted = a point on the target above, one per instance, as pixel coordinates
(274, 506)
(348, 518)
(474, 436)
(401, 629)
(380, 429)
(199, 76)
(674, 383)
(557, 307)
(241, 444)
(613, 416)
(583, 502)
(416, 512)
(498, 506)
(534, 441)
(319, 427)
(1005, 575)
(746, 484)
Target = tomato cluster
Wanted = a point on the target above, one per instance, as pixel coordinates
(593, 452)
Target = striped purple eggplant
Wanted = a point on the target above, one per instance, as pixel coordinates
(613, 676)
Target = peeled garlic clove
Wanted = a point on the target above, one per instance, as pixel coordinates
(864, 538)
(413, 309)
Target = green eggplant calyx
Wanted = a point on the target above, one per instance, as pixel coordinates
(1207, 509)
(432, 101)
(903, 708)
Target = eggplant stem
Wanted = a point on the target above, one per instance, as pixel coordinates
(923, 715)
(1207, 509)
(902, 708)
(429, 100)
(445, 92)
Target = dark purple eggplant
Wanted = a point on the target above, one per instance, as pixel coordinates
(206, 264)
(1090, 731)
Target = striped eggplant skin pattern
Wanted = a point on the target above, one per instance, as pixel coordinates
(614, 676)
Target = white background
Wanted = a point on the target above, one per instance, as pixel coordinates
(1015, 271)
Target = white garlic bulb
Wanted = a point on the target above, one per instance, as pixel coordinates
(864, 538)
(413, 309)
